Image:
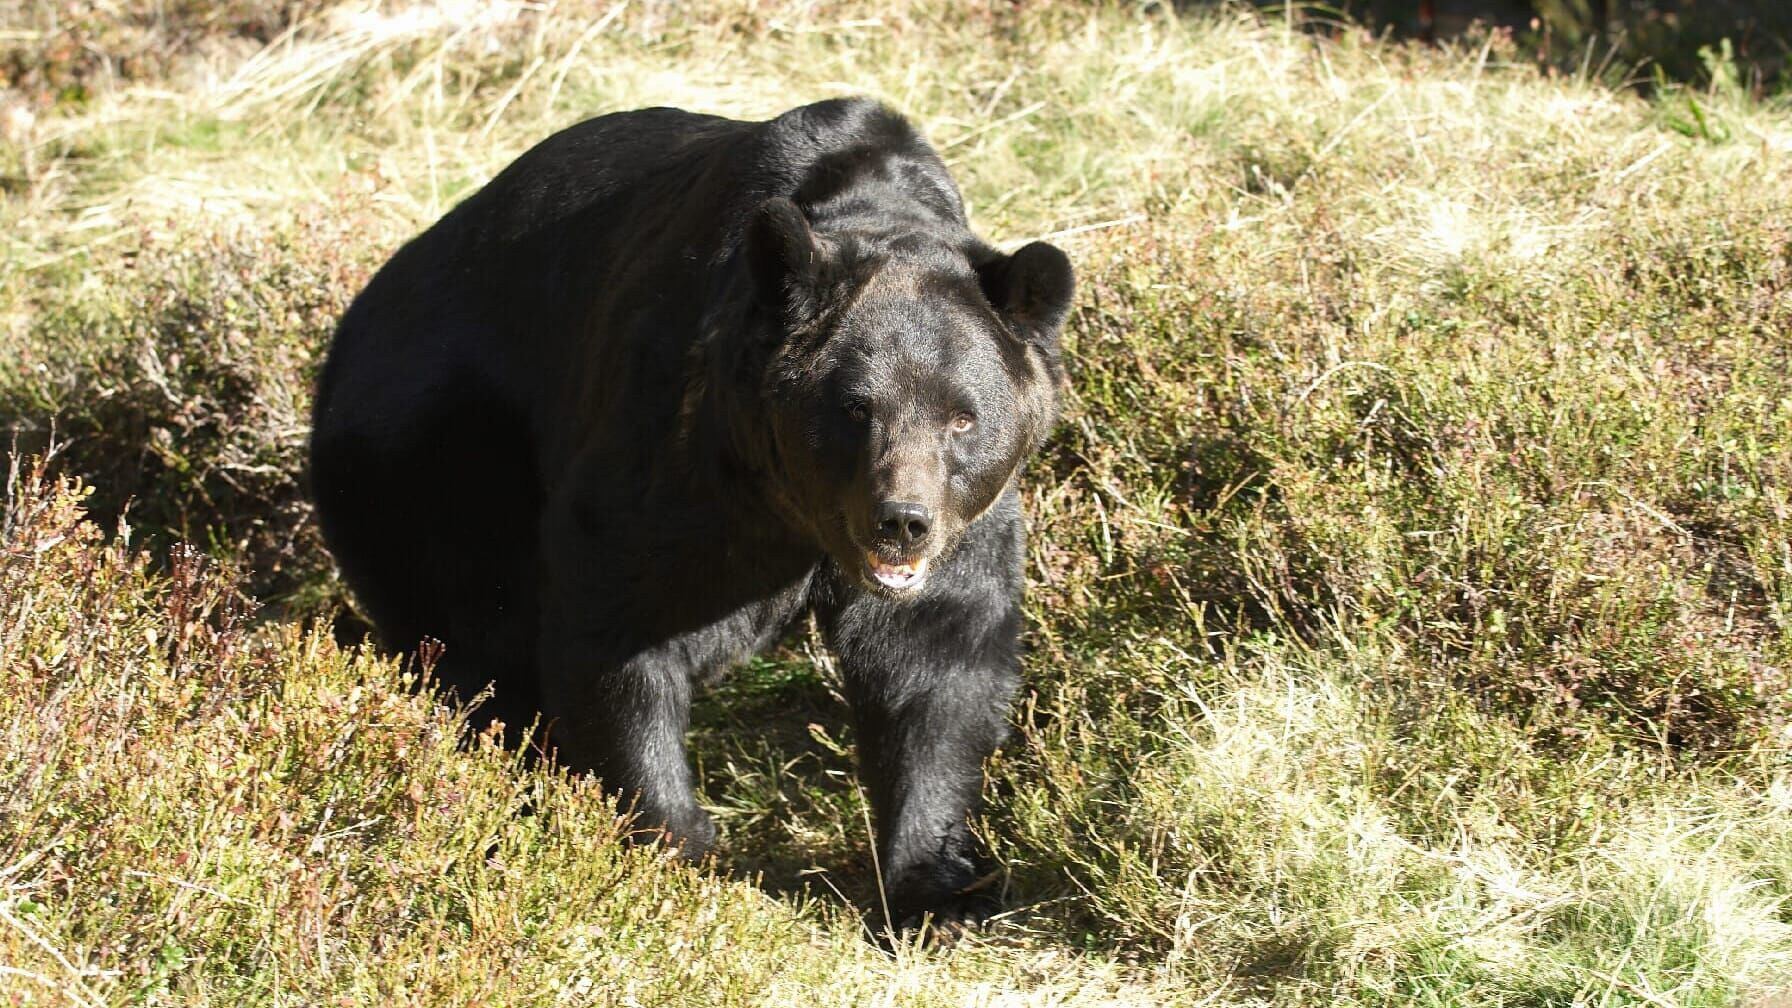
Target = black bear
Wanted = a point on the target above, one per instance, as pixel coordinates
(666, 384)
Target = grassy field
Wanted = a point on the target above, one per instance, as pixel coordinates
(1411, 575)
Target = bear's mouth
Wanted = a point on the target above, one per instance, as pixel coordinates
(905, 576)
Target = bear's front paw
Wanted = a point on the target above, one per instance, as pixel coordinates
(938, 903)
(692, 832)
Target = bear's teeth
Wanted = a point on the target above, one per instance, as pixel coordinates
(903, 575)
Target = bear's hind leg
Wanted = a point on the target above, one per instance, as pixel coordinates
(434, 530)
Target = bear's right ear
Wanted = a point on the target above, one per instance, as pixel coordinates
(1033, 288)
(785, 257)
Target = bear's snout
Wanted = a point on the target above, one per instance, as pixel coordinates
(902, 525)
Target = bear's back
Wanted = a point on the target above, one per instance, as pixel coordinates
(585, 268)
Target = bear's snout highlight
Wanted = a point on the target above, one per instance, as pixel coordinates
(902, 525)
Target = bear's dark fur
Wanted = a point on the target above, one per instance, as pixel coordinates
(671, 381)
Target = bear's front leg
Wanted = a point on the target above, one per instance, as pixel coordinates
(626, 722)
(930, 681)
(616, 700)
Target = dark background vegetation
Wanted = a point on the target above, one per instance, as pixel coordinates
(1632, 39)
(62, 50)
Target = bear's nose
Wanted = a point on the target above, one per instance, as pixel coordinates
(903, 523)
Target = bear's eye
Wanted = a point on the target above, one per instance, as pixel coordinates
(962, 422)
(857, 409)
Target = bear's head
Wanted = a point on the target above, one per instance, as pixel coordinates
(912, 376)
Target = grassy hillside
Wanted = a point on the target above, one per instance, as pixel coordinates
(1411, 576)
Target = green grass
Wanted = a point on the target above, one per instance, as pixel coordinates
(1411, 577)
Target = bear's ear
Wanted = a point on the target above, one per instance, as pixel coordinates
(785, 257)
(1033, 288)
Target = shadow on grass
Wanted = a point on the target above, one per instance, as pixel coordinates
(182, 396)
(772, 747)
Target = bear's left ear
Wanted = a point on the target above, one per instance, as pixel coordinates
(786, 258)
(1033, 288)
